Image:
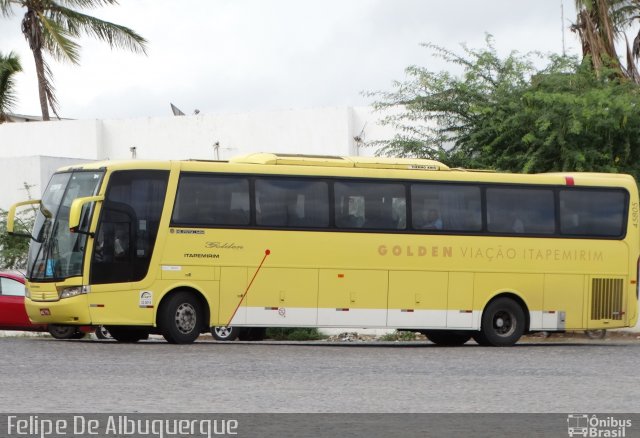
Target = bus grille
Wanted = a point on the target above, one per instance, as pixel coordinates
(44, 296)
(606, 298)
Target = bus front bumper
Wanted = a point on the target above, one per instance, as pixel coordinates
(72, 311)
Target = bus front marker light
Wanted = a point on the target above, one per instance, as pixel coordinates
(73, 291)
(45, 312)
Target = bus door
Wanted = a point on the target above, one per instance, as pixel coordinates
(123, 247)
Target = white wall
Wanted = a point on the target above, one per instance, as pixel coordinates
(311, 131)
(35, 171)
(305, 131)
(317, 131)
(67, 138)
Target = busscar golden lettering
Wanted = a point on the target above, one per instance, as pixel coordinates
(415, 251)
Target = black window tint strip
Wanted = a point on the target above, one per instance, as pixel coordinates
(341, 204)
(596, 213)
(520, 210)
(293, 203)
(209, 200)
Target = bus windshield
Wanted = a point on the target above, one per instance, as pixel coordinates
(56, 253)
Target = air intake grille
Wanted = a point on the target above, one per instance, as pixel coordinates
(606, 298)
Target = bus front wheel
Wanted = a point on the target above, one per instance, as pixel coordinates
(180, 318)
(503, 323)
(64, 331)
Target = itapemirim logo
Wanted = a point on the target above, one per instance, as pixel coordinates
(593, 426)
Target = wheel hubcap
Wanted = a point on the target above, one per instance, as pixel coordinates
(504, 323)
(186, 318)
(223, 332)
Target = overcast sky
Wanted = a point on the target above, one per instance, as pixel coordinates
(246, 55)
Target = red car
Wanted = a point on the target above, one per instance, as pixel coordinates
(13, 315)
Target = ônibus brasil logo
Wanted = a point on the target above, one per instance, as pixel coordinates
(594, 426)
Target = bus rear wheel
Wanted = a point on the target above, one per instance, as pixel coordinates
(503, 323)
(447, 338)
(181, 318)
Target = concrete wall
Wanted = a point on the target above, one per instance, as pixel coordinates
(34, 171)
(67, 138)
(312, 131)
(328, 131)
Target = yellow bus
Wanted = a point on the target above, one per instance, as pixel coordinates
(274, 240)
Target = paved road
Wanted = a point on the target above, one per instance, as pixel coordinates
(45, 375)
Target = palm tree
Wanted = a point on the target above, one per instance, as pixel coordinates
(9, 66)
(599, 25)
(52, 26)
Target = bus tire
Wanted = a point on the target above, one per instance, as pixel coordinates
(127, 334)
(480, 339)
(180, 318)
(503, 322)
(596, 334)
(102, 333)
(447, 338)
(62, 331)
(222, 333)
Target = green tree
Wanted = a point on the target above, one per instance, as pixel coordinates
(53, 26)
(9, 66)
(504, 114)
(14, 249)
(436, 111)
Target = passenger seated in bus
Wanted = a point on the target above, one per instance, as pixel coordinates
(431, 219)
(517, 226)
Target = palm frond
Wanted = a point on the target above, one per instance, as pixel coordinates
(57, 41)
(49, 89)
(636, 47)
(9, 66)
(76, 23)
(87, 4)
(6, 8)
(632, 71)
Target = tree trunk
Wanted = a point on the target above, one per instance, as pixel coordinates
(33, 33)
(42, 83)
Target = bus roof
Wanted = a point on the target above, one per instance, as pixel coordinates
(335, 161)
(401, 168)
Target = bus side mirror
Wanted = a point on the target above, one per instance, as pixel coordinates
(11, 217)
(75, 212)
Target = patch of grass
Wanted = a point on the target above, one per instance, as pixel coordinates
(293, 334)
(399, 336)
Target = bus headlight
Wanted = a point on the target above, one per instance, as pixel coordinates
(69, 292)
